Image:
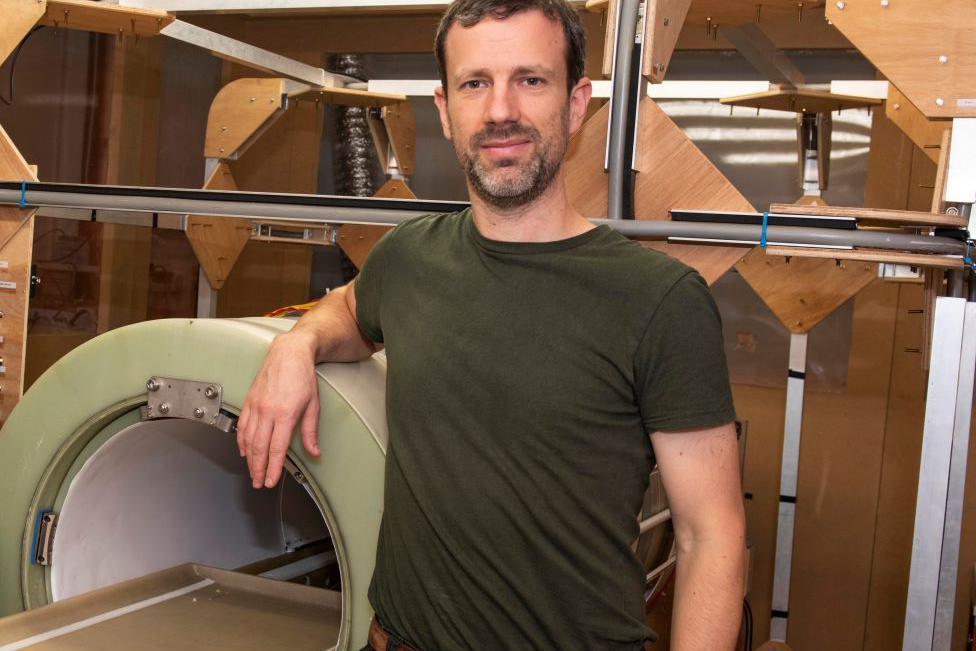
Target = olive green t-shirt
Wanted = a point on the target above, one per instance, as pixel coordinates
(523, 382)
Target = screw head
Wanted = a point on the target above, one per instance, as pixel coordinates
(939, 101)
(198, 412)
(943, 59)
(884, 4)
(164, 408)
(841, 5)
(667, 21)
(152, 384)
(210, 392)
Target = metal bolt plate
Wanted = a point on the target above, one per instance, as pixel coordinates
(176, 398)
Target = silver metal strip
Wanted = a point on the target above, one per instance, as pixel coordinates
(930, 505)
(948, 574)
(251, 56)
(787, 484)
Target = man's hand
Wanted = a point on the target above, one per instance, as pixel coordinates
(284, 392)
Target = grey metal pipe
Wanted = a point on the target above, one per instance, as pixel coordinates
(655, 229)
(778, 235)
(620, 109)
(954, 284)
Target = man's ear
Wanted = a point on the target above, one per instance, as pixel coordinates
(440, 100)
(579, 98)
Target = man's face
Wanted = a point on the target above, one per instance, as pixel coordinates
(506, 106)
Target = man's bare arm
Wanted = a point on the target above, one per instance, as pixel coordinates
(285, 391)
(700, 472)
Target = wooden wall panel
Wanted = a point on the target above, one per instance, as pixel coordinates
(268, 275)
(888, 590)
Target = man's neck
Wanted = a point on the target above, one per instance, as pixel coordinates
(547, 219)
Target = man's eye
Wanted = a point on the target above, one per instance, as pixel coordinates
(534, 81)
(473, 84)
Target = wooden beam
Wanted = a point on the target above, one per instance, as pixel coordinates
(800, 101)
(869, 255)
(662, 27)
(104, 17)
(925, 133)
(218, 241)
(927, 48)
(757, 48)
(357, 240)
(873, 216)
(673, 173)
(19, 16)
(16, 246)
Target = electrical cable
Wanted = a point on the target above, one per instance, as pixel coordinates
(748, 626)
(9, 100)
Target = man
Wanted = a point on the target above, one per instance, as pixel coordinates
(534, 361)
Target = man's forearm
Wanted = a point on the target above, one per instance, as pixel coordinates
(330, 328)
(708, 595)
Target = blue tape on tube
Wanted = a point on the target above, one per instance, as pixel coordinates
(765, 226)
(23, 195)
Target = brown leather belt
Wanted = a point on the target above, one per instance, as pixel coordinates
(380, 640)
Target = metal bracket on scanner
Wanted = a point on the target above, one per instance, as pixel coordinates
(175, 398)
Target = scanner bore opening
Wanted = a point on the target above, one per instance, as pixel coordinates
(160, 493)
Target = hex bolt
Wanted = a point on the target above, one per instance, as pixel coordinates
(210, 392)
(198, 412)
(152, 384)
(164, 408)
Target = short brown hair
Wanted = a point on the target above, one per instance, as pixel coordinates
(471, 12)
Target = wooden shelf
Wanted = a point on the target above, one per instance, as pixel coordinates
(869, 255)
(874, 216)
(801, 101)
(104, 17)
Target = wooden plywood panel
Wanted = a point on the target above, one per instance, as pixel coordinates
(871, 216)
(286, 157)
(891, 557)
(218, 241)
(267, 276)
(838, 484)
(16, 243)
(801, 292)
(240, 109)
(924, 47)
(925, 133)
(18, 19)
(673, 173)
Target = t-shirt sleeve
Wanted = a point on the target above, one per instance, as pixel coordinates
(369, 288)
(681, 377)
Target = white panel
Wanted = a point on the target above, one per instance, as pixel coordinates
(860, 88)
(159, 494)
(961, 174)
(930, 507)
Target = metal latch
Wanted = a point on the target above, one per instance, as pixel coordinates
(47, 524)
(175, 398)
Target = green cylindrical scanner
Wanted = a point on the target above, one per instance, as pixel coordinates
(121, 460)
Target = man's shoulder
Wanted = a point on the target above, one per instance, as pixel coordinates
(432, 224)
(642, 265)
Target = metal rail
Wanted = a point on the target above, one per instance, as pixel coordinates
(357, 210)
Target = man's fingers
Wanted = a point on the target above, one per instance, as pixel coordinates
(277, 449)
(242, 429)
(310, 427)
(257, 449)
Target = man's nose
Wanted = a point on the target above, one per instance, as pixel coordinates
(502, 105)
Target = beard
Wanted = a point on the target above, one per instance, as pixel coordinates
(510, 182)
